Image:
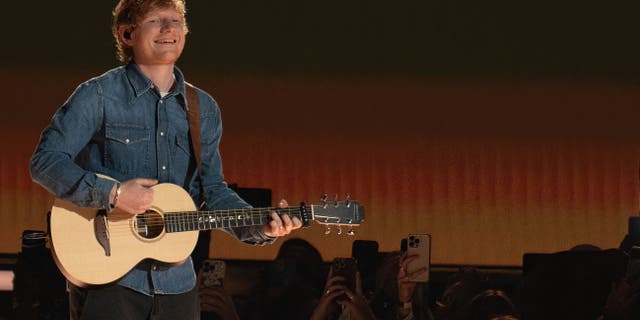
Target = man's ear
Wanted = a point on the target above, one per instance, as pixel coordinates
(126, 34)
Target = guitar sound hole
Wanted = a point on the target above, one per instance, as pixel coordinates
(149, 224)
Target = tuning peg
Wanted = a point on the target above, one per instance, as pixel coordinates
(348, 200)
(323, 199)
(327, 230)
(335, 200)
(351, 232)
(339, 229)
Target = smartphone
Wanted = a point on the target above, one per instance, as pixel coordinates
(366, 254)
(419, 245)
(345, 267)
(213, 272)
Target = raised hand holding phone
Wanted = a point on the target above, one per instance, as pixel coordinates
(343, 288)
(214, 300)
(418, 258)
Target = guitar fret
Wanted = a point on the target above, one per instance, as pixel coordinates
(174, 222)
(247, 217)
(174, 218)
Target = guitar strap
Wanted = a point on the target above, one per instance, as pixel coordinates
(193, 116)
(201, 250)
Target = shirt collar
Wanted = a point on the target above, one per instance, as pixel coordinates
(141, 84)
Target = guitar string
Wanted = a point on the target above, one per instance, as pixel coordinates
(190, 219)
(179, 227)
(187, 219)
(129, 230)
(192, 225)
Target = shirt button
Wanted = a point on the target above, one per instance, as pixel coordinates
(164, 168)
(162, 133)
(161, 101)
(127, 141)
(154, 267)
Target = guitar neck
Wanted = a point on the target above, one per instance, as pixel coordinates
(220, 219)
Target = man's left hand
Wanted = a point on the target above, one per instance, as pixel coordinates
(281, 225)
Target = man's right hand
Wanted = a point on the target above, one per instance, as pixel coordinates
(136, 196)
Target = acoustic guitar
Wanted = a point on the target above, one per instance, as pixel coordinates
(93, 248)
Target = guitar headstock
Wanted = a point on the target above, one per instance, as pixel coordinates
(338, 213)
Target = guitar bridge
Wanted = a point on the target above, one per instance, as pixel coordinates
(101, 231)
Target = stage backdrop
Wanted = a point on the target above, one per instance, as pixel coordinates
(491, 169)
(497, 127)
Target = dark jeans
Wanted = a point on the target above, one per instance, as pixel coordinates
(117, 302)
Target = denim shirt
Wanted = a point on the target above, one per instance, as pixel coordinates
(118, 125)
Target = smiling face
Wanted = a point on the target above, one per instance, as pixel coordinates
(158, 38)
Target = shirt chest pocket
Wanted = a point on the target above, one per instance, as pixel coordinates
(127, 148)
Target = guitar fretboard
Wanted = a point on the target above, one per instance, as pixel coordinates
(218, 219)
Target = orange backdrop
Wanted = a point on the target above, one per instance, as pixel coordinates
(490, 169)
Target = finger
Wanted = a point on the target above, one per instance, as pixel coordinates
(146, 182)
(408, 260)
(348, 291)
(335, 279)
(334, 288)
(296, 223)
(404, 255)
(332, 294)
(286, 222)
(416, 273)
(272, 228)
(276, 223)
(275, 218)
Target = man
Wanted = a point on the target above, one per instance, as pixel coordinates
(130, 124)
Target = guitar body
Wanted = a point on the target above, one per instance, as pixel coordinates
(83, 258)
